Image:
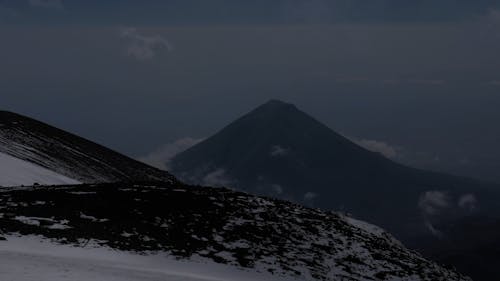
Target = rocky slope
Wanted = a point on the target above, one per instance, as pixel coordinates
(65, 154)
(216, 224)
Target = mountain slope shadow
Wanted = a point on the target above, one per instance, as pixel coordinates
(69, 155)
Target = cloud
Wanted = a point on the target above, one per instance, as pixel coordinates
(48, 4)
(494, 83)
(352, 80)
(431, 82)
(427, 81)
(464, 161)
(309, 196)
(216, 178)
(161, 157)
(493, 18)
(489, 24)
(143, 47)
(433, 202)
(278, 151)
(378, 146)
(7, 13)
(433, 230)
(467, 202)
(277, 189)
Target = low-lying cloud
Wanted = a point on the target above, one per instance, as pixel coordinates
(467, 202)
(161, 157)
(276, 189)
(309, 196)
(277, 150)
(433, 202)
(217, 178)
(381, 147)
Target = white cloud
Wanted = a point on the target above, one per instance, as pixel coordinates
(161, 157)
(433, 202)
(433, 230)
(381, 147)
(467, 202)
(277, 150)
(309, 196)
(143, 47)
(277, 189)
(49, 4)
(217, 178)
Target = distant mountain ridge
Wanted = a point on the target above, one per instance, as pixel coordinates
(280, 151)
(60, 152)
(275, 150)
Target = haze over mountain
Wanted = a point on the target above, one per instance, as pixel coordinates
(33, 152)
(165, 215)
(280, 151)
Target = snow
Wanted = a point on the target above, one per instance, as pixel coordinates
(17, 172)
(92, 218)
(48, 222)
(31, 258)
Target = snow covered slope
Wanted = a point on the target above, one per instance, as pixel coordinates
(33, 259)
(16, 172)
(65, 154)
(212, 225)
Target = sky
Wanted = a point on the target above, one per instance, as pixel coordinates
(418, 80)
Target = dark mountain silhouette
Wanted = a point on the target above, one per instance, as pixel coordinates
(67, 154)
(279, 151)
(275, 150)
(471, 244)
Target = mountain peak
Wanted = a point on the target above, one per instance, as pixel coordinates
(275, 104)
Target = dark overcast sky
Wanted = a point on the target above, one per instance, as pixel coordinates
(420, 76)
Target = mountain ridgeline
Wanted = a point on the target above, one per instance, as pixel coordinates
(60, 152)
(278, 150)
(275, 150)
(215, 224)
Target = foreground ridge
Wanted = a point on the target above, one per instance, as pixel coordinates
(57, 152)
(217, 224)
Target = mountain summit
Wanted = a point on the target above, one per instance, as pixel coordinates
(277, 150)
